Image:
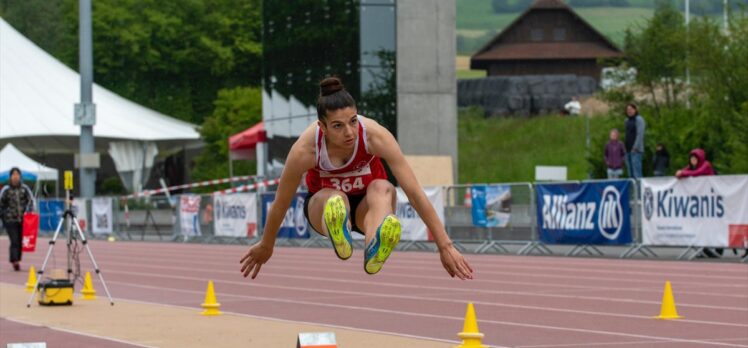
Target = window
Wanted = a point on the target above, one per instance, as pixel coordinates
(536, 35)
(559, 34)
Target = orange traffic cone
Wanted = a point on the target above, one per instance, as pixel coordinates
(468, 200)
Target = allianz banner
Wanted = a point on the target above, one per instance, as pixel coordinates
(592, 213)
(294, 224)
(709, 211)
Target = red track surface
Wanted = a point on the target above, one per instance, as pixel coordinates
(520, 301)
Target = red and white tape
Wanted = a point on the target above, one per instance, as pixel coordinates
(191, 185)
(248, 188)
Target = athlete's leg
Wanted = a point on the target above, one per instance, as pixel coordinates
(380, 201)
(328, 215)
(381, 227)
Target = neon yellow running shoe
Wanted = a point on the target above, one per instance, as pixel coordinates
(384, 242)
(336, 221)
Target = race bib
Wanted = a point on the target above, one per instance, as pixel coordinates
(353, 182)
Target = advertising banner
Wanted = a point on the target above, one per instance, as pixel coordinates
(595, 213)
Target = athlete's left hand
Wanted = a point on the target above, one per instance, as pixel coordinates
(455, 263)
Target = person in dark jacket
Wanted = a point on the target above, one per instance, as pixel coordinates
(15, 199)
(634, 141)
(661, 163)
(614, 155)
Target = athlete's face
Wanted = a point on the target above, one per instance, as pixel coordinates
(341, 127)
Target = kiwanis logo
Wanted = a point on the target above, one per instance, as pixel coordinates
(648, 202)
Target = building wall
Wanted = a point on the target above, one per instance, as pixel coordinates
(580, 67)
(426, 83)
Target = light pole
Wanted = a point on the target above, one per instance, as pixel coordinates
(85, 111)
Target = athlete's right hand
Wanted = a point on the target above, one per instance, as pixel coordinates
(253, 260)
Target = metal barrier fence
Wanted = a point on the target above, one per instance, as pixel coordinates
(520, 228)
(517, 232)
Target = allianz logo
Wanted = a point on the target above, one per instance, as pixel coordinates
(560, 214)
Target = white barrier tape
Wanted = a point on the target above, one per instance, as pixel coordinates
(191, 185)
(248, 188)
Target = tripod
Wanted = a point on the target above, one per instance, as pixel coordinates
(71, 223)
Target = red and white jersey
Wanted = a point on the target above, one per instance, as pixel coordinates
(353, 177)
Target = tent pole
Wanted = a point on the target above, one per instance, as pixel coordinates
(231, 169)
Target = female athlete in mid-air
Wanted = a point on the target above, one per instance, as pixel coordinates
(348, 188)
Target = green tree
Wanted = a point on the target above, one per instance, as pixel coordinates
(717, 119)
(658, 52)
(39, 20)
(172, 56)
(236, 109)
(720, 83)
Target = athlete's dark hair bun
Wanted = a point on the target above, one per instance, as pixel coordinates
(329, 86)
(332, 96)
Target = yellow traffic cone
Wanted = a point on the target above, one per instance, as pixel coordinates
(88, 290)
(211, 305)
(668, 311)
(32, 280)
(471, 337)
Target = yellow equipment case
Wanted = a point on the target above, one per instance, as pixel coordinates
(56, 292)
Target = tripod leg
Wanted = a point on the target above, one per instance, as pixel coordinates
(90, 255)
(40, 272)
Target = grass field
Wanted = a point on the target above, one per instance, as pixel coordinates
(470, 74)
(508, 149)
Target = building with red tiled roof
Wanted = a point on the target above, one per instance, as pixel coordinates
(549, 38)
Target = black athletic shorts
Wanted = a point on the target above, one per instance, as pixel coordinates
(354, 201)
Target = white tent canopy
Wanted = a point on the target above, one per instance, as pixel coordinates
(37, 95)
(134, 161)
(11, 157)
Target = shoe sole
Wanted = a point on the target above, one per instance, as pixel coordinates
(386, 239)
(336, 221)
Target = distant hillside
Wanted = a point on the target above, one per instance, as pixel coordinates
(477, 22)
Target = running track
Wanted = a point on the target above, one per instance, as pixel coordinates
(520, 301)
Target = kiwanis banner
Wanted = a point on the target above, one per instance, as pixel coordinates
(710, 211)
(235, 215)
(590, 213)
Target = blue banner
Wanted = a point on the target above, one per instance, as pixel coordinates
(294, 224)
(595, 213)
(490, 205)
(50, 213)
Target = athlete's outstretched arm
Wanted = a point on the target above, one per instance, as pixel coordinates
(258, 254)
(384, 145)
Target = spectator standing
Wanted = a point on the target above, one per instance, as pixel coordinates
(661, 163)
(614, 155)
(573, 108)
(634, 141)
